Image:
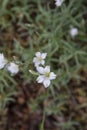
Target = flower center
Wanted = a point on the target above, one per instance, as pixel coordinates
(48, 74)
(40, 58)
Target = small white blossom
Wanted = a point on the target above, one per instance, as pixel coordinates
(13, 68)
(39, 59)
(45, 75)
(73, 32)
(3, 61)
(58, 3)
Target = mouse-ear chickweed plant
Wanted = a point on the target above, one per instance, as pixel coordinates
(43, 72)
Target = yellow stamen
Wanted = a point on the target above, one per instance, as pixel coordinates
(40, 58)
(48, 74)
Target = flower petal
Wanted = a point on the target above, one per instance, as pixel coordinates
(40, 79)
(38, 54)
(37, 65)
(47, 69)
(43, 55)
(46, 83)
(40, 70)
(34, 59)
(52, 76)
(13, 68)
(42, 62)
(3, 61)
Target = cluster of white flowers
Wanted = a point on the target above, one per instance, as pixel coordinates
(44, 74)
(12, 67)
(58, 3)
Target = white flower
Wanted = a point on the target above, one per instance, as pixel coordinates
(58, 3)
(73, 32)
(3, 61)
(39, 59)
(45, 75)
(13, 68)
